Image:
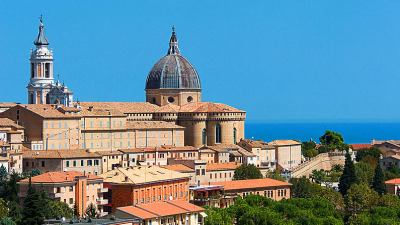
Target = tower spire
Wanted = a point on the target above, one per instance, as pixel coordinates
(173, 44)
(41, 38)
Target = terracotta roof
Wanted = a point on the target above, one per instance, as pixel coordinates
(47, 111)
(169, 108)
(393, 181)
(124, 107)
(141, 175)
(179, 168)
(152, 125)
(107, 153)
(206, 107)
(60, 154)
(256, 143)
(99, 112)
(356, 147)
(395, 156)
(161, 209)
(284, 142)
(5, 122)
(250, 184)
(59, 177)
(222, 166)
(7, 104)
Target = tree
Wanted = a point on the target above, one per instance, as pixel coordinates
(91, 211)
(76, 211)
(32, 212)
(15, 212)
(216, 216)
(364, 172)
(309, 149)
(378, 183)
(372, 152)
(348, 177)
(245, 172)
(7, 221)
(319, 176)
(332, 141)
(275, 175)
(60, 209)
(360, 197)
(3, 209)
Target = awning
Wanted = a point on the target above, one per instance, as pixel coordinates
(203, 214)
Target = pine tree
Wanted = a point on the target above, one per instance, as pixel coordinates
(32, 214)
(349, 175)
(378, 183)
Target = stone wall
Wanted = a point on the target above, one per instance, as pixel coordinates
(323, 161)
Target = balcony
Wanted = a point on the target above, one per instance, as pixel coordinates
(102, 190)
(56, 195)
(102, 201)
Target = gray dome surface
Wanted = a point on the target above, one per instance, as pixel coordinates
(173, 71)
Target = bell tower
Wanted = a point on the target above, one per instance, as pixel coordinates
(41, 69)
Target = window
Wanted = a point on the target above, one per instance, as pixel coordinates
(203, 172)
(67, 164)
(197, 172)
(96, 162)
(32, 70)
(189, 99)
(71, 201)
(47, 70)
(218, 133)
(171, 99)
(43, 164)
(82, 163)
(204, 137)
(89, 162)
(74, 163)
(71, 188)
(234, 135)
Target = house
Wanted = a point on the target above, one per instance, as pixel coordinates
(393, 186)
(287, 153)
(144, 184)
(274, 189)
(390, 161)
(176, 212)
(265, 153)
(71, 187)
(11, 135)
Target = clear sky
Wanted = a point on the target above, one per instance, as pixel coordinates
(278, 60)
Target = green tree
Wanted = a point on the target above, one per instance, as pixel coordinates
(364, 172)
(309, 149)
(332, 141)
(14, 212)
(76, 211)
(245, 172)
(7, 221)
(275, 175)
(372, 152)
(348, 177)
(59, 209)
(319, 176)
(91, 211)
(3, 208)
(360, 197)
(32, 213)
(378, 183)
(216, 216)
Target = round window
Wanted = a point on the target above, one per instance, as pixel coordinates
(190, 99)
(171, 99)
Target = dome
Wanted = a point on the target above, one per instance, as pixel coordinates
(173, 71)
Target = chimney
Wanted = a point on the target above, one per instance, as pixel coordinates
(90, 108)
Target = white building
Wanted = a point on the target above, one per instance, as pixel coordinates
(42, 88)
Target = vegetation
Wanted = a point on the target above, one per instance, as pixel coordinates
(331, 141)
(349, 175)
(245, 172)
(309, 149)
(378, 182)
(91, 211)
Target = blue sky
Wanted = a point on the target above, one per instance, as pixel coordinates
(278, 60)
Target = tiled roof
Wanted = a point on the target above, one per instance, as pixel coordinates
(222, 166)
(124, 107)
(250, 184)
(47, 111)
(141, 175)
(169, 108)
(99, 112)
(152, 125)
(179, 168)
(107, 153)
(256, 143)
(5, 122)
(393, 181)
(356, 147)
(161, 209)
(60, 154)
(284, 142)
(395, 156)
(7, 104)
(59, 177)
(206, 107)
(224, 147)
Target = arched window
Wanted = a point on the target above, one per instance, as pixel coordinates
(218, 133)
(204, 137)
(234, 135)
(31, 98)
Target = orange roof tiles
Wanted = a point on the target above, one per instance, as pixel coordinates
(222, 166)
(251, 184)
(60, 154)
(393, 181)
(205, 107)
(124, 107)
(59, 177)
(284, 142)
(159, 149)
(161, 209)
(5, 122)
(178, 167)
(47, 111)
(356, 147)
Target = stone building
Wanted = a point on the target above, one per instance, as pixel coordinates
(42, 88)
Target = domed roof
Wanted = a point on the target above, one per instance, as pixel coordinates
(173, 71)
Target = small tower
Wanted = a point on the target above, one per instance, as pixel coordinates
(41, 70)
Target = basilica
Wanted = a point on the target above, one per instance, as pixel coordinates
(173, 95)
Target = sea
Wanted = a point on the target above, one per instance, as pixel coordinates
(357, 132)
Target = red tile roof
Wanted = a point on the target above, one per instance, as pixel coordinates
(250, 184)
(179, 168)
(161, 209)
(393, 181)
(59, 177)
(222, 166)
(356, 147)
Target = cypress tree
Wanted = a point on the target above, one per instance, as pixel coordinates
(349, 175)
(378, 183)
(32, 214)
